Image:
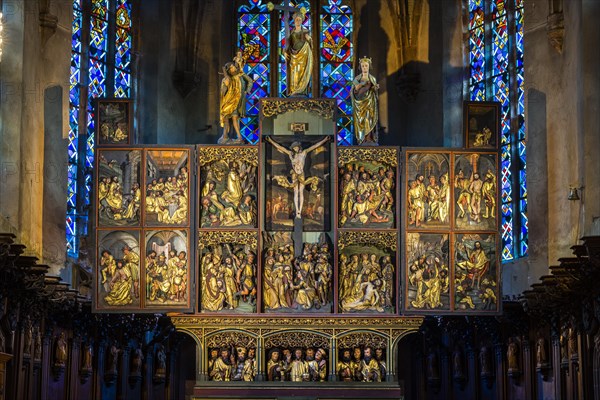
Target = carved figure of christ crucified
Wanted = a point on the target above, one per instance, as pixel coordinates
(297, 182)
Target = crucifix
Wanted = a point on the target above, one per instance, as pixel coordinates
(286, 13)
(297, 182)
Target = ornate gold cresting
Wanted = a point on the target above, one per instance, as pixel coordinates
(324, 108)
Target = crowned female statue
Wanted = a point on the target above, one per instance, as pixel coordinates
(299, 57)
(364, 104)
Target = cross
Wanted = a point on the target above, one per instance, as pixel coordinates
(286, 14)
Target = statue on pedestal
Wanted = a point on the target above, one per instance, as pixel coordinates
(364, 104)
(234, 87)
(299, 57)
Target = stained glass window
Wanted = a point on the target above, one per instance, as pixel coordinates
(100, 67)
(254, 39)
(336, 57)
(495, 47)
(333, 52)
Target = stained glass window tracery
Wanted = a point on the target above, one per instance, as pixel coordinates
(336, 58)
(100, 67)
(495, 48)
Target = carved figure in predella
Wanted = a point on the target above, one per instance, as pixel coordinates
(118, 269)
(167, 270)
(167, 187)
(228, 273)
(367, 195)
(475, 191)
(297, 364)
(119, 193)
(427, 272)
(475, 272)
(361, 364)
(296, 284)
(228, 194)
(235, 363)
(290, 193)
(428, 190)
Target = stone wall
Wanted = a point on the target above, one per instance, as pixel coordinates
(36, 56)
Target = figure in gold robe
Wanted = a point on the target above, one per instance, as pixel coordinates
(132, 262)
(108, 264)
(299, 57)
(114, 198)
(299, 368)
(477, 263)
(234, 86)
(275, 367)
(489, 194)
(343, 367)
(364, 104)
(120, 287)
(234, 191)
(221, 369)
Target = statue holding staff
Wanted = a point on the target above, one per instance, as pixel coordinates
(234, 87)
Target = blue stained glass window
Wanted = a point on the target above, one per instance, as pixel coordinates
(88, 79)
(336, 57)
(254, 40)
(495, 42)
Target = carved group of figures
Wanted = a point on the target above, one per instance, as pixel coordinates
(297, 365)
(428, 202)
(167, 198)
(120, 277)
(297, 283)
(366, 282)
(475, 272)
(473, 182)
(298, 53)
(367, 197)
(116, 205)
(166, 275)
(228, 195)
(476, 196)
(235, 364)
(228, 280)
(430, 276)
(362, 365)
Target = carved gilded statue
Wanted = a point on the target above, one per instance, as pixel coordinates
(298, 182)
(299, 57)
(364, 104)
(275, 366)
(297, 283)
(234, 87)
(60, 351)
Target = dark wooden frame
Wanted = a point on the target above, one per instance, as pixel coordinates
(470, 109)
(129, 109)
